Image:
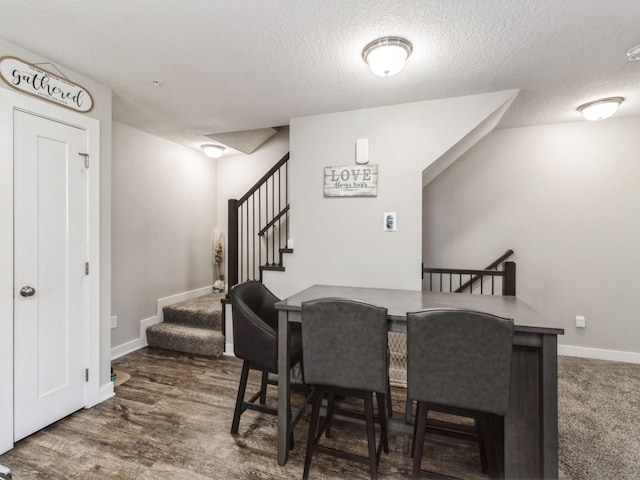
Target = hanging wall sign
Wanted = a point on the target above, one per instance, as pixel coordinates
(37, 82)
(351, 181)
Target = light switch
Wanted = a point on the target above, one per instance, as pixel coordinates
(390, 222)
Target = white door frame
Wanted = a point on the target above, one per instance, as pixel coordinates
(10, 101)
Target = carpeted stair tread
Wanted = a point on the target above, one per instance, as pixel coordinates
(204, 311)
(186, 338)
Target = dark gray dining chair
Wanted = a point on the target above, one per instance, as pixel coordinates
(255, 341)
(345, 354)
(459, 363)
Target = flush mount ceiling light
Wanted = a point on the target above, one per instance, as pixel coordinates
(600, 109)
(213, 151)
(634, 54)
(386, 56)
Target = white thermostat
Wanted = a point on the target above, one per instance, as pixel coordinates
(362, 151)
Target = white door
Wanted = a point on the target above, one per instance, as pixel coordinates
(51, 311)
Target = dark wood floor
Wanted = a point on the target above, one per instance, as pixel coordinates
(172, 420)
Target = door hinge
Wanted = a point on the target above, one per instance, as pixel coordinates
(86, 268)
(86, 374)
(86, 159)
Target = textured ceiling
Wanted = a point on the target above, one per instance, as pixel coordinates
(227, 66)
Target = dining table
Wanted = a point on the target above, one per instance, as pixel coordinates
(530, 448)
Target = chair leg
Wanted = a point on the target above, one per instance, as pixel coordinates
(408, 417)
(263, 388)
(313, 428)
(418, 437)
(389, 404)
(240, 399)
(330, 404)
(383, 422)
(291, 438)
(481, 445)
(307, 389)
(498, 435)
(493, 468)
(371, 434)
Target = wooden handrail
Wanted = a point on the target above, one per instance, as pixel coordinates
(508, 274)
(464, 271)
(491, 266)
(264, 178)
(499, 260)
(272, 222)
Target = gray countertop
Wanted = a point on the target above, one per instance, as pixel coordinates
(399, 302)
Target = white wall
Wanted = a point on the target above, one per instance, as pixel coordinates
(164, 212)
(566, 199)
(102, 112)
(341, 240)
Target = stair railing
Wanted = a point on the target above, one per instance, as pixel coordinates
(452, 280)
(456, 283)
(259, 226)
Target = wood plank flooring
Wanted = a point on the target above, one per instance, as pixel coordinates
(172, 419)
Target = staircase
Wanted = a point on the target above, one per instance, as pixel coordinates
(193, 326)
(258, 233)
(259, 227)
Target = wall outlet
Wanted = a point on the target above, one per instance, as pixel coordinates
(114, 321)
(581, 322)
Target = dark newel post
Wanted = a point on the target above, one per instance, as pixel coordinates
(509, 281)
(232, 246)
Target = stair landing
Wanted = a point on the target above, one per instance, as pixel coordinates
(192, 326)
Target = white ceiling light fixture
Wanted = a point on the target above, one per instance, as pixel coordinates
(213, 151)
(386, 56)
(634, 54)
(600, 109)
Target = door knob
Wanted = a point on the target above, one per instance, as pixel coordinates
(27, 291)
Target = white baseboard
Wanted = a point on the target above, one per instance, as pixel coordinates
(106, 392)
(141, 341)
(599, 354)
(132, 346)
(181, 297)
(228, 330)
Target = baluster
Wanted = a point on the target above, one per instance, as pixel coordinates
(248, 240)
(266, 221)
(246, 219)
(241, 241)
(279, 218)
(273, 215)
(259, 224)
(253, 236)
(286, 198)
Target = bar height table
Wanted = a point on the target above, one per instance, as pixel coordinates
(531, 424)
